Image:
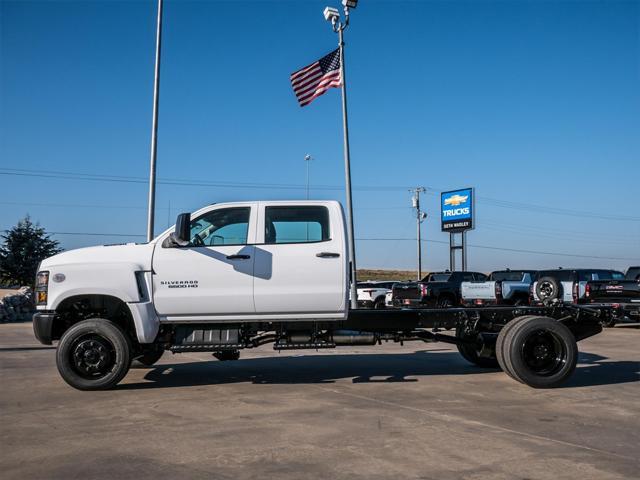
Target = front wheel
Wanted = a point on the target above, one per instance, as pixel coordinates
(538, 351)
(93, 354)
(379, 304)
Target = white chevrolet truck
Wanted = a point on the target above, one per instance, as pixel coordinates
(240, 275)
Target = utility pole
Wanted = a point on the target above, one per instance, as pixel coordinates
(154, 130)
(420, 217)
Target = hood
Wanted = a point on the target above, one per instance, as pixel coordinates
(124, 253)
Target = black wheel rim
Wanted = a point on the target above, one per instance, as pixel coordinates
(547, 290)
(544, 352)
(92, 356)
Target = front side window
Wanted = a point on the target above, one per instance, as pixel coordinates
(225, 226)
(296, 224)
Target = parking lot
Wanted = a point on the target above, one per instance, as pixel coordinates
(418, 411)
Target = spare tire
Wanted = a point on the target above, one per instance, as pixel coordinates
(548, 289)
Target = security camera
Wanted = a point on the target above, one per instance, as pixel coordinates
(350, 3)
(331, 14)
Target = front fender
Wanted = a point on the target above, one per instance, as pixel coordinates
(113, 279)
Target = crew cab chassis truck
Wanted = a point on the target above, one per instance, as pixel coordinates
(236, 276)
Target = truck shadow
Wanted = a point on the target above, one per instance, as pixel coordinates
(594, 370)
(361, 368)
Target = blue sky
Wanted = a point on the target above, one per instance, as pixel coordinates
(536, 104)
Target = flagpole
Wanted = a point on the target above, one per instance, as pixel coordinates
(347, 174)
(154, 130)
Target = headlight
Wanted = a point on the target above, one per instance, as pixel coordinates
(42, 287)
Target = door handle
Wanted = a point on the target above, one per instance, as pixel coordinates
(327, 255)
(238, 257)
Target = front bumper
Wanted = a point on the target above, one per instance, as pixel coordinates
(43, 326)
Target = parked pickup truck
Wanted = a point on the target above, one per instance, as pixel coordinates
(234, 276)
(625, 292)
(372, 294)
(504, 287)
(439, 289)
(567, 285)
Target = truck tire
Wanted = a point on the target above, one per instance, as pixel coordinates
(472, 353)
(93, 354)
(444, 302)
(548, 288)
(540, 352)
(501, 341)
(379, 304)
(147, 359)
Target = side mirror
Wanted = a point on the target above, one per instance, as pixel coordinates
(183, 229)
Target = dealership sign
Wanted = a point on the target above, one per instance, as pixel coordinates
(456, 210)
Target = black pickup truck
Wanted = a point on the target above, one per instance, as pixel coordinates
(438, 289)
(624, 292)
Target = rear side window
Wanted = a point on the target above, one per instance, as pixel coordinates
(296, 224)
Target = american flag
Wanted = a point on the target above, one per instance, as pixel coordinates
(315, 79)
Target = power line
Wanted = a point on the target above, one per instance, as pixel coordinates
(503, 249)
(184, 182)
(532, 208)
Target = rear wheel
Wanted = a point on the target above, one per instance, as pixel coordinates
(472, 350)
(93, 355)
(379, 304)
(501, 341)
(540, 352)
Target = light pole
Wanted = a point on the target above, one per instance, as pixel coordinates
(420, 217)
(339, 24)
(154, 129)
(307, 161)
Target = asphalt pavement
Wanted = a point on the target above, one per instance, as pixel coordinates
(416, 411)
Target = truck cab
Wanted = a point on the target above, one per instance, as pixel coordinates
(243, 261)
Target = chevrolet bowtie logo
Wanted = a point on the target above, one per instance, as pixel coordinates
(456, 200)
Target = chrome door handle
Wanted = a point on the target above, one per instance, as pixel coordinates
(238, 257)
(327, 255)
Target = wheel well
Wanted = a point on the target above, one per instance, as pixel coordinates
(81, 307)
